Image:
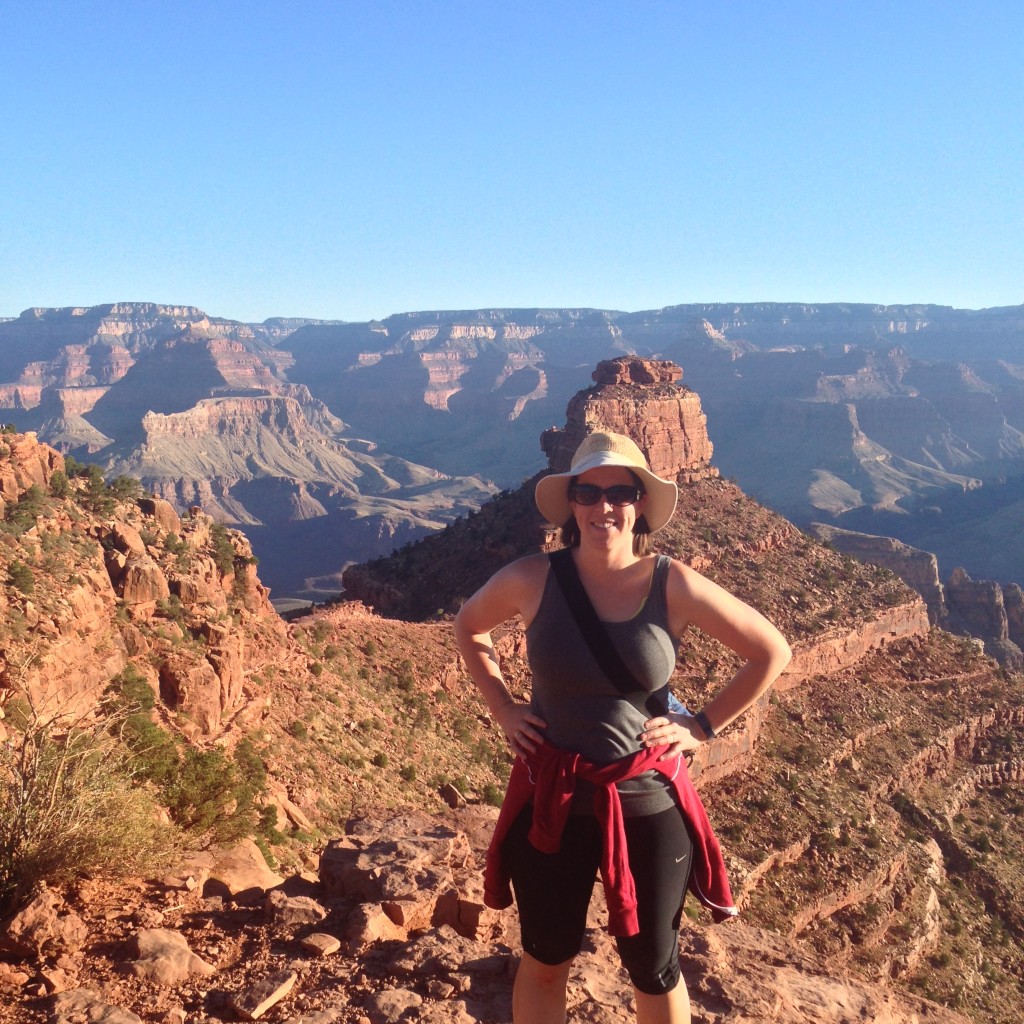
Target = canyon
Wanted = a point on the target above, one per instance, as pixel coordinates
(869, 807)
(355, 438)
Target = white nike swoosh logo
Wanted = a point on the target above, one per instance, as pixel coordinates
(679, 860)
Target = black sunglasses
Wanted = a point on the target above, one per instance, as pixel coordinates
(618, 494)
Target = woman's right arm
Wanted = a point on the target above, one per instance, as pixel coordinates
(509, 592)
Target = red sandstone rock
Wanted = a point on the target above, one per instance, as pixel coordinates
(27, 463)
(193, 688)
(163, 512)
(640, 398)
(164, 958)
(242, 868)
(143, 583)
(127, 539)
(634, 370)
(44, 928)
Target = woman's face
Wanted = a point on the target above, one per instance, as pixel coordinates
(606, 524)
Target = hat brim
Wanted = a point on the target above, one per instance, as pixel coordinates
(552, 492)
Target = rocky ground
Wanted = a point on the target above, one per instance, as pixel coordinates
(385, 929)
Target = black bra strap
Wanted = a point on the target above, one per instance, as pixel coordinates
(590, 626)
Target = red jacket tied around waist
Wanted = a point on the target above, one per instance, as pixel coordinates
(549, 777)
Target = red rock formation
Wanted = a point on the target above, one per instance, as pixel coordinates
(640, 398)
(918, 569)
(28, 462)
(143, 584)
(835, 651)
(163, 512)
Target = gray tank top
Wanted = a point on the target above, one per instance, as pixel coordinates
(584, 710)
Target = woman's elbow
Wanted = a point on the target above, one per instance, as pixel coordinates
(773, 655)
(464, 630)
(781, 654)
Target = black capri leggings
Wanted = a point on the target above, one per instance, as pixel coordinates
(553, 892)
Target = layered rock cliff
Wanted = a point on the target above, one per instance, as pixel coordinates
(834, 411)
(201, 411)
(984, 609)
(640, 398)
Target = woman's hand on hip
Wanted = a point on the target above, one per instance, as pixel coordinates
(520, 726)
(679, 733)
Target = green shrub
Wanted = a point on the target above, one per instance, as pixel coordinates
(171, 608)
(175, 545)
(210, 798)
(223, 550)
(24, 513)
(59, 485)
(380, 760)
(126, 488)
(20, 576)
(268, 829)
(155, 749)
(131, 692)
(408, 772)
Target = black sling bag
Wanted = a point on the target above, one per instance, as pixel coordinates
(596, 636)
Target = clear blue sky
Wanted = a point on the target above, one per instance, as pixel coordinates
(362, 157)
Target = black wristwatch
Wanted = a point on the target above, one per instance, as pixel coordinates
(702, 720)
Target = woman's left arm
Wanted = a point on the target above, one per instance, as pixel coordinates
(694, 599)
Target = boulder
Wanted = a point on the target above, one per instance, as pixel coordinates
(241, 870)
(163, 512)
(254, 1001)
(83, 1005)
(393, 1005)
(165, 959)
(193, 688)
(320, 944)
(127, 539)
(292, 911)
(42, 928)
(409, 873)
(143, 583)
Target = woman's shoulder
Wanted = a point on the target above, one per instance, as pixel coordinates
(529, 565)
(514, 589)
(524, 574)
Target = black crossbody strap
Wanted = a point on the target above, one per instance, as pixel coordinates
(596, 636)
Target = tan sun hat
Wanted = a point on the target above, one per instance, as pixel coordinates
(607, 449)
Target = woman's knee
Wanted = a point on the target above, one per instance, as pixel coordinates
(541, 974)
(652, 980)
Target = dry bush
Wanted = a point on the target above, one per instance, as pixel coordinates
(68, 806)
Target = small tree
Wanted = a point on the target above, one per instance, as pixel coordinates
(20, 576)
(223, 549)
(59, 485)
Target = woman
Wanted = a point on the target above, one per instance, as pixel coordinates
(598, 769)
